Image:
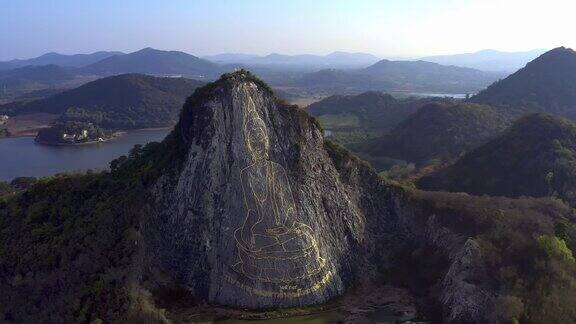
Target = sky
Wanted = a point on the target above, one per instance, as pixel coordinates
(386, 28)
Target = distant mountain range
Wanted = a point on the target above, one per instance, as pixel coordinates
(338, 71)
(547, 84)
(32, 78)
(19, 81)
(488, 60)
(156, 62)
(74, 60)
(336, 59)
(122, 102)
(39, 73)
(407, 76)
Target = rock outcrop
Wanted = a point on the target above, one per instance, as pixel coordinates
(256, 215)
(261, 212)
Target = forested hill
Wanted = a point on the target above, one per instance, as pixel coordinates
(535, 157)
(122, 101)
(408, 76)
(74, 60)
(368, 110)
(155, 62)
(547, 84)
(439, 131)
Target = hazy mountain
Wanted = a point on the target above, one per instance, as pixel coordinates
(547, 84)
(122, 101)
(156, 62)
(38, 94)
(39, 73)
(336, 59)
(430, 75)
(172, 226)
(439, 131)
(19, 81)
(410, 76)
(74, 60)
(341, 79)
(230, 58)
(488, 60)
(535, 157)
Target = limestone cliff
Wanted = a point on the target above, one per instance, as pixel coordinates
(260, 212)
(255, 215)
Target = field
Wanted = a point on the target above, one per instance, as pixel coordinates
(28, 125)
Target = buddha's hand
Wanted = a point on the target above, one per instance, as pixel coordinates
(277, 230)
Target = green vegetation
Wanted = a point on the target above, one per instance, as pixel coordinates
(119, 102)
(354, 140)
(370, 110)
(73, 237)
(73, 132)
(25, 79)
(354, 121)
(535, 157)
(534, 286)
(547, 84)
(5, 189)
(403, 76)
(556, 248)
(17, 185)
(398, 171)
(439, 132)
(534, 270)
(155, 62)
(330, 121)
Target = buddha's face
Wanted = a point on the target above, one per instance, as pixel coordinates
(257, 142)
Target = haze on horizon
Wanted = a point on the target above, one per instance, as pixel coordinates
(389, 28)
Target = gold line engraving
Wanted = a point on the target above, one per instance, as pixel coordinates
(274, 248)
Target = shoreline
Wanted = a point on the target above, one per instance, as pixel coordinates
(75, 144)
(120, 133)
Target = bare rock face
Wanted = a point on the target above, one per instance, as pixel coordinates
(468, 301)
(261, 212)
(255, 216)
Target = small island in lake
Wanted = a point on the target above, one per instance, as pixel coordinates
(74, 133)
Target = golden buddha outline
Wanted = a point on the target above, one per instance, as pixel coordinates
(273, 246)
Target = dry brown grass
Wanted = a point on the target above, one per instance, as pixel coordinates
(30, 124)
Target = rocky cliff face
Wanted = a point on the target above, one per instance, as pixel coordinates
(256, 215)
(261, 212)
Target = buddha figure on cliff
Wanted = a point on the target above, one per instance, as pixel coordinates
(273, 246)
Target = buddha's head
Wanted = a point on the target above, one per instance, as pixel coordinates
(256, 137)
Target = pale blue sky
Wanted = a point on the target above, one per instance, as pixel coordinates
(387, 28)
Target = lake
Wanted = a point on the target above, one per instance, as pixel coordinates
(21, 156)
